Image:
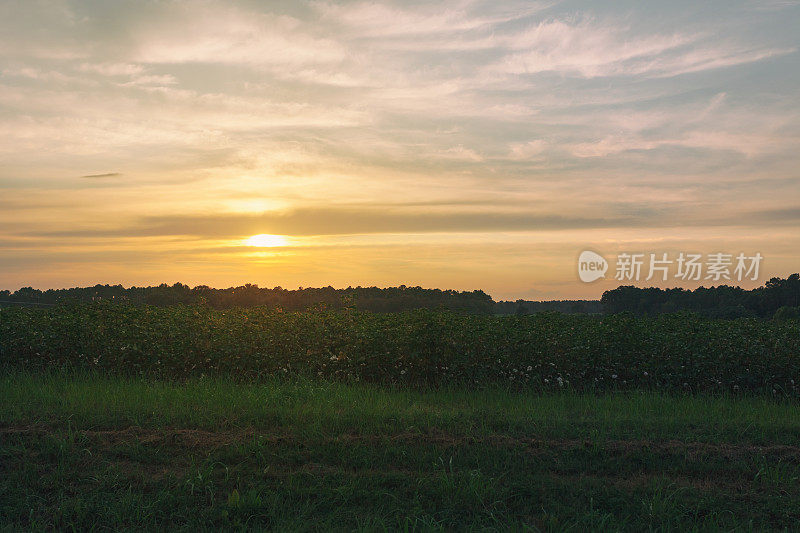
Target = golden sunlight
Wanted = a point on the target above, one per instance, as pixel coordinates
(265, 240)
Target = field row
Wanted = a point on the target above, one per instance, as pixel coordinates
(419, 348)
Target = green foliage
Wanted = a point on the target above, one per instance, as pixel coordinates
(382, 300)
(524, 307)
(680, 352)
(723, 301)
(787, 313)
(92, 452)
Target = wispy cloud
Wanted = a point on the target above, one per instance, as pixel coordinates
(382, 21)
(112, 69)
(396, 121)
(225, 34)
(591, 48)
(105, 175)
(368, 220)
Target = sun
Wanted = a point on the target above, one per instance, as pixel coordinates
(265, 240)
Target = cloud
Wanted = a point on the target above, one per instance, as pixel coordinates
(749, 145)
(773, 5)
(366, 220)
(376, 20)
(394, 121)
(106, 175)
(703, 58)
(112, 69)
(347, 221)
(225, 34)
(590, 48)
(152, 80)
(781, 215)
(527, 150)
(461, 153)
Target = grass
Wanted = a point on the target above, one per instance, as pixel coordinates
(90, 452)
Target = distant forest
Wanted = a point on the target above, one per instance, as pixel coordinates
(778, 297)
(525, 307)
(374, 299)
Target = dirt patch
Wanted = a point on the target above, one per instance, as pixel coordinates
(208, 440)
(180, 437)
(671, 447)
(169, 436)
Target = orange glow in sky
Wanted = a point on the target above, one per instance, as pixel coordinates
(265, 240)
(464, 145)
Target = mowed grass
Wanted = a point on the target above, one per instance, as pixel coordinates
(108, 453)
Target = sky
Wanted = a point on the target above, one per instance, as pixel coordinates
(462, 144)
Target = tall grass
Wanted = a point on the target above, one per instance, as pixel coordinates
(324, 407)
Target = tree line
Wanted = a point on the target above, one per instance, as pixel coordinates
(374, 299)
(778, 297)
(569, 307)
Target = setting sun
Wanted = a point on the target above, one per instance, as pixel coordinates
(265, 240)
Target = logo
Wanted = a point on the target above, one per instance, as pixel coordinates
(717, 267)
(591, 266)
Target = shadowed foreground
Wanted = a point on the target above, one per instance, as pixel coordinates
(110, 453)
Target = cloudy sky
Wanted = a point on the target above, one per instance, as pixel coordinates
(458, 145)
